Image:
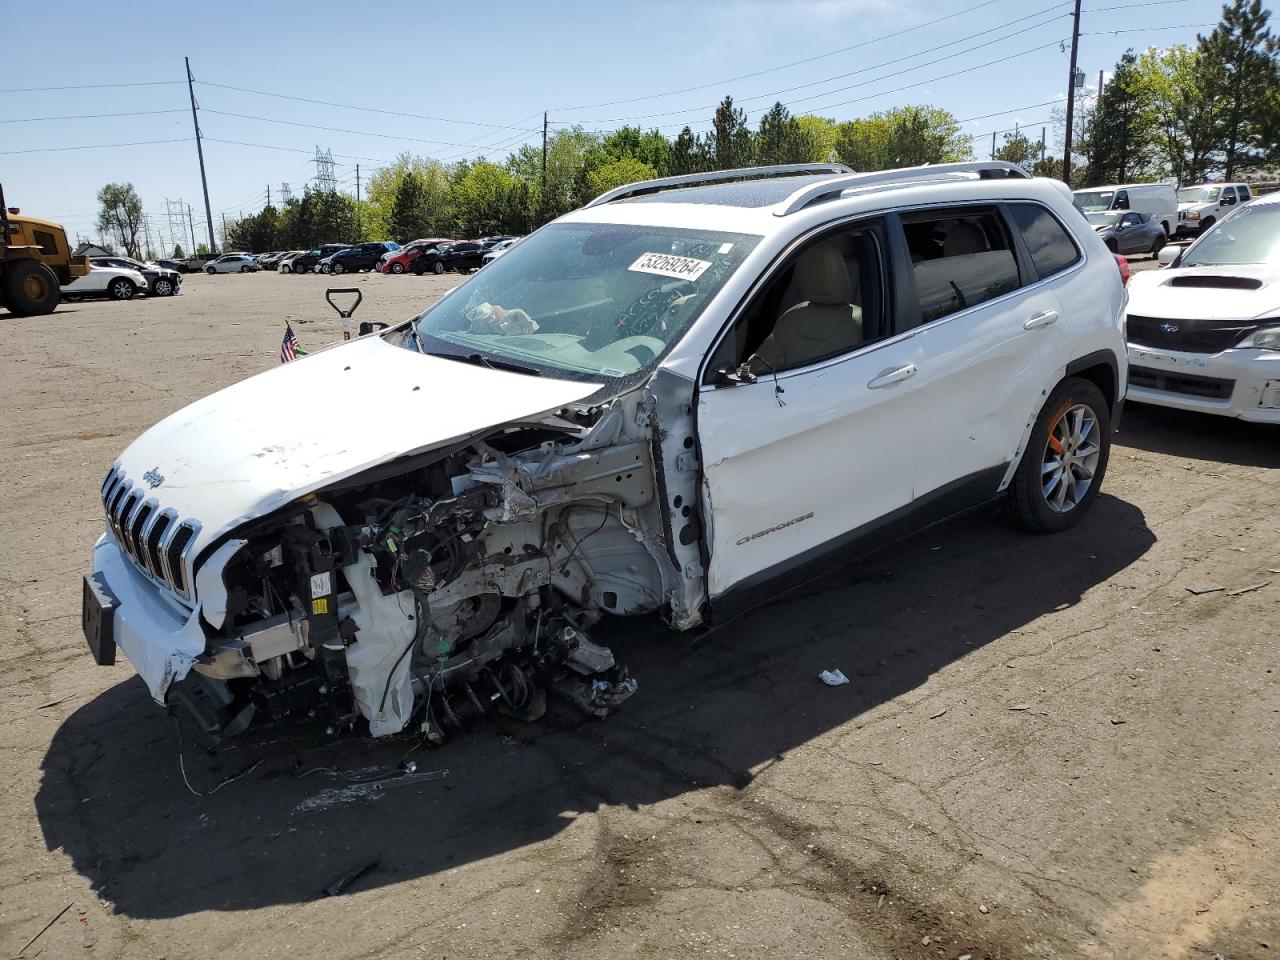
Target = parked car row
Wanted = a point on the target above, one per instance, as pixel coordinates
(1185, 211)
(122, 278)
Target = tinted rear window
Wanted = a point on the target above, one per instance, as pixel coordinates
(1051, 247)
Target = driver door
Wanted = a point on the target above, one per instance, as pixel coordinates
(805, 415)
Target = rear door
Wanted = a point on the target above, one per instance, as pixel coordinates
(811, 442)
(989, 340)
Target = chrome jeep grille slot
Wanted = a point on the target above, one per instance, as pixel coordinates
(157, 540)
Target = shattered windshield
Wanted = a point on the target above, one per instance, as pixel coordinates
(584, 300)
(1091, 200)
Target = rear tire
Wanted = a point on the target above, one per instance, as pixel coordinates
(121, 288)
(1065, 460)
(210, 271)
(1206, 223)
(30, 288)
(337, 268)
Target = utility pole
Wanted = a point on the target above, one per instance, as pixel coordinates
(192, 224)
(268, 194)
(1043, 131)
(544, 160)
(224, 229)
(1071, 95)
(195, 122)
(359, 219)
(993, 144)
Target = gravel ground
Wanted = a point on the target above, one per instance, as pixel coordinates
(1050, 748)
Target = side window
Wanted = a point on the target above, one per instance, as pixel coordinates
(46, 242)
(1051, 247)
(1229, 196)
(827, 299)
(1122, 200)
(959, 260)
(1244, 193)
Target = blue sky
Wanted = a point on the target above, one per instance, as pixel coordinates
(487, 72)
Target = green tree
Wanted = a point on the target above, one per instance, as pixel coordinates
(488, 198)
(1177, 85)
(686, 154)
(730, 143)
(1240, 70)
(902, 137)
(410, 217)
(120, 215)
(617, 173)
(1121, 137)
(566, 150)
(819, 136)
(177, 252)
(926, 135)
(1017, 148)
(780, 139)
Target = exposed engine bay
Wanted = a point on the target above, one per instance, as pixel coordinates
(428, 591)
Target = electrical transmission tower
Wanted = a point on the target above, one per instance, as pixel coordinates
(176, 215)
(285, 194)
(326, 179)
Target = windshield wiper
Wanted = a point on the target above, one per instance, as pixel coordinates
(479, 359)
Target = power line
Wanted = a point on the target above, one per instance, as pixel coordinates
(351, 106)
(92, 116)
(95, 146)
(875, 66)
(316, 126)
(784, 66)
(93, 86)
(1178, 26)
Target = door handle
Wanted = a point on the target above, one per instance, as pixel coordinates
(1041, 320)
(889, 377)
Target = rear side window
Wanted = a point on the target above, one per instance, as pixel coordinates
(1051, 247)
(959, 261)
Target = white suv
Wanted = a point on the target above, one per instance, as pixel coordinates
(680, 399)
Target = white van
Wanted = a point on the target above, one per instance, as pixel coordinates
(1159, 200)
(1203, 205)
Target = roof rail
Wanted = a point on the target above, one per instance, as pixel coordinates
(831, 189)
(643, 187)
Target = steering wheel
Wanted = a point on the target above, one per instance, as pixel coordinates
(647, 316)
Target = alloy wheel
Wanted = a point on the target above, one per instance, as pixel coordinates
(1070, 460)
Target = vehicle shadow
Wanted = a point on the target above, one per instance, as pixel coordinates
(710, 709)
(1199, 436)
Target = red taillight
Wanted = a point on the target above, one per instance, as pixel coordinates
(1123, 264)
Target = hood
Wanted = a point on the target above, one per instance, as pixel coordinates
(1224, 295)
(255, 446)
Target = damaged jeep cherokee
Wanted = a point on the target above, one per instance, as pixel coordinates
(680, 399)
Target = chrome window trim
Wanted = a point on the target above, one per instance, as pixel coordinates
(784, 257)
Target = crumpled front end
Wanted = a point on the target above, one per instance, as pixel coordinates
(420, 594)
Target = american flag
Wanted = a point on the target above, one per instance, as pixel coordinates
(289, 345)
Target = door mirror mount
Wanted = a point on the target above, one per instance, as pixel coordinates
(736, 377)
